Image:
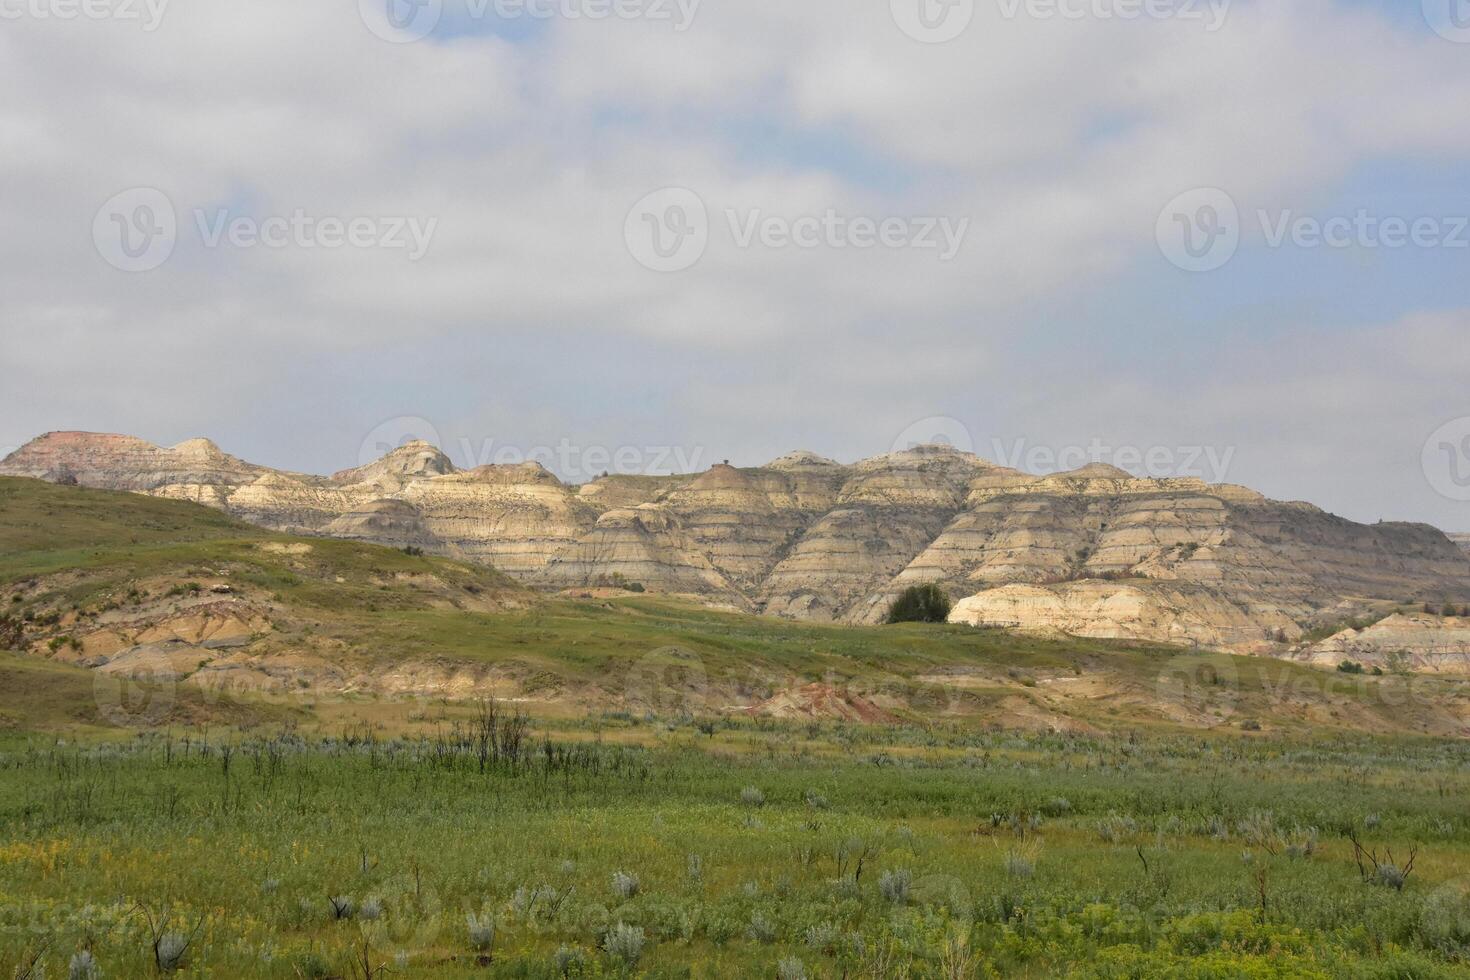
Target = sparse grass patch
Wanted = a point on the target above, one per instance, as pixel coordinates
(559, 855)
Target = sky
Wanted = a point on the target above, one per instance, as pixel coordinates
(1224, 240)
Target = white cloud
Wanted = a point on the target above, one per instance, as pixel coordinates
(1060, 140)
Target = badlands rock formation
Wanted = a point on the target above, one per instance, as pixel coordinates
(1173, 612)
(1412, 641)
(1463, 540)
(1095, 552)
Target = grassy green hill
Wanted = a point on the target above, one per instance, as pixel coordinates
(78, 563)
(86, 575)
(108, 538)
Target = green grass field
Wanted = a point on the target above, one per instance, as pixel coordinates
(817, 850)
(1193, 815)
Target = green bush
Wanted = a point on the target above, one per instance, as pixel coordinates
(12, 634)
(920, 604)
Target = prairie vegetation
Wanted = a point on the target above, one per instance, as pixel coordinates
(1035, 807)
(624, 846)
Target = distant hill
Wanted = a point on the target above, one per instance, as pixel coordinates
(169, 590)
(1095, 552)
(128, 610)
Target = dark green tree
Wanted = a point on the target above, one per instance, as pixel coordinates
(920, 604)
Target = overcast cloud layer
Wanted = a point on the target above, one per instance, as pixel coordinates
(1050, 147)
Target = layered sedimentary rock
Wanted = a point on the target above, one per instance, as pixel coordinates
(1094, 552)
(1463, 540)
(647, 547)
(747, 521)
(277, 500)
(887, 511)
(1411, 641)
(822, 701)
(125, 463)
(395, 523)
(1174, 613)
(620, 491)
(409, 462)
(513, 517)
